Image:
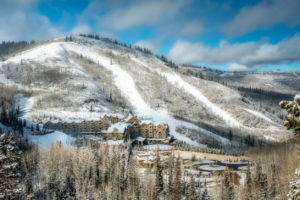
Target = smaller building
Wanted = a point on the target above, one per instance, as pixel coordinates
(148, 129)
(116, 131)
(111, 118)
(134, 120)
(117, 127)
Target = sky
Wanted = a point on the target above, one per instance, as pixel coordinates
(232, 35)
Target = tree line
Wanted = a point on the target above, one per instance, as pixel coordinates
(8, 47)
(124, 44)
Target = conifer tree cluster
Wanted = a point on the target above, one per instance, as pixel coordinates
(293, 114)
(9, 116)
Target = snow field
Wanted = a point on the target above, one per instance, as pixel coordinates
(179, 82)
(45, 141)
(126, 85)
(258, 114)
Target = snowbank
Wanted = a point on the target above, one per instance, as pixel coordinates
(48, 139)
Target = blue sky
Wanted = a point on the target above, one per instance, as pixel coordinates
(227, 35)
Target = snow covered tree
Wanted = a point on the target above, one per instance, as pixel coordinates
(228, 186)
(177, 184)
(192, 193)
(170, 174)
(158, 173)
(248, 183)
(205, 195)
(293, 114)
(293, 122)
(261, 182)
(273, 181)
(294, 193)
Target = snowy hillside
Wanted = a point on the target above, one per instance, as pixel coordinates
(84, 79)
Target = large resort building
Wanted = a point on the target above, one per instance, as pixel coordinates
(114, 127)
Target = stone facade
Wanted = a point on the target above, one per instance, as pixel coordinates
(115, 135)
(134, 120)
(148, 130)
(85, 127)
(134, 127)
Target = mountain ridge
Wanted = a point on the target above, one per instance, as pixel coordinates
(61, 75)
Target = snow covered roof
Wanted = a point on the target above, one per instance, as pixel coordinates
(153, 122)
(120, 127)
(118, 115)
(140, 139)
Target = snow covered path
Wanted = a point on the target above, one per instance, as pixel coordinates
(179, 82)
(126, 85)
(258, 114)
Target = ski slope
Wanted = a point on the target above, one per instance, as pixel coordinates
(258, 114)
(179, 82)
(126, 85)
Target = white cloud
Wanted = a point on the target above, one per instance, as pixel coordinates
(192, 28)
(108, 35)
(249, 54)
(236, 67)
(148, 45)
(264, 15)
(186, 52)
(81, 28)
(165, 18)
(19, 21)
(142, 13)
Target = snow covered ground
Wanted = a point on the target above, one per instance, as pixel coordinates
(128, 89)
(4, 128)
(57, 52)
(119, 62)
(45, 141)
(177, 81)
(159, 147)
(258, 114)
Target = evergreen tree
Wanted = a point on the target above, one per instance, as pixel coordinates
(177, 189)
(32, 129)
(170, 174)
(24, 123)
(158, 174)
(273, 181)
(248, 183)
(205, 195)
(110, 97)
(4, 118)
(293, 118)
(18, 110)
(193, 194)
(37, 127)
(228, 186)
(261, 182)
(230, 135)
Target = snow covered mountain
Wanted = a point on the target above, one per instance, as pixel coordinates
(85, 78)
